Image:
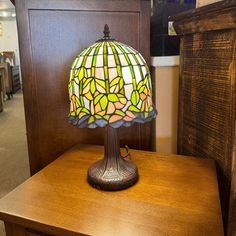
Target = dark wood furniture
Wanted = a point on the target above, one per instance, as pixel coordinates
(175, 195)
(207, 89)
(51, 34)
(6, 74)
(15, 78)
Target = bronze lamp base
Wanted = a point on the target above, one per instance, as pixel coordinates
(113, 172)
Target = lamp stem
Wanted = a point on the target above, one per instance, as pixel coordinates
(111, 146)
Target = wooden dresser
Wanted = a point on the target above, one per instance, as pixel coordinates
(207, 92)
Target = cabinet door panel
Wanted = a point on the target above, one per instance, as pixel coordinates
(51, 34)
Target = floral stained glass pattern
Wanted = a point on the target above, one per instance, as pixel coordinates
(110, 84)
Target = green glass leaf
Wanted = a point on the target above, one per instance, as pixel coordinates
(104, 102)
(98, 117)
(85, 110)
(100, 82)
(97, 98)
(122, 91)
(77, 101)
(140, 84)
(87, 81)
(113, 98)
(145, 114)
(146, 79)
(133, 108)
(92, 87)
(119, 95)
(120, 113)
(141, 89)
(82, 73)
(135, 98)
(72, 113)
(106, 117)
(91, 120)
(115, 81)
(78, 110)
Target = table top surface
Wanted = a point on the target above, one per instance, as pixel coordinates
(175, 195)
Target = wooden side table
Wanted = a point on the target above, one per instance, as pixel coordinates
(175, 195)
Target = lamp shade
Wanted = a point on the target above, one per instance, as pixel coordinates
(110, 84)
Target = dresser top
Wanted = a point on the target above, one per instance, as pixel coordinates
(217, 16)
(175, 195)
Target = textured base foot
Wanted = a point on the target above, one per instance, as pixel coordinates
(117, 175)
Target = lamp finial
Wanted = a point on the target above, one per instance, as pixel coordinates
(106, 32)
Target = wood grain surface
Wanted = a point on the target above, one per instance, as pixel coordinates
(207, 115)
(176, 196)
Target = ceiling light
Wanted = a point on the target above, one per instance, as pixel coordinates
(4, 14)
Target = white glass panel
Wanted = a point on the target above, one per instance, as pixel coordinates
(86, 103)
(100, 52)
(139, 104)
(76, 90)
(139, 59)
(124, 109)
(118, 50)
(131, 57)
(127, 75)
(99, 61)
(128, 90)
(99, 73)
(79, 62)
(133, 50)
(123, 61)
(109, 50)
(144, 71)
(112, 74)
(138, 76)
(126, 49)
(88, 63)
(89, 72)
(111, 61)
(92, 52)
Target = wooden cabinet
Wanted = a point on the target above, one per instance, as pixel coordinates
(5, 72)
(51, 34)
(15, 78)
(207, 89)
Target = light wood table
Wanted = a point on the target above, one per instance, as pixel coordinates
(175, 195)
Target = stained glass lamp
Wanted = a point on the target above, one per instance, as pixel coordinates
(110, 86)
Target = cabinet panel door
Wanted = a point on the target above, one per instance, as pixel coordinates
(51, 34)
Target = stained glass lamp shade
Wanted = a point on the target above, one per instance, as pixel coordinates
(110, 85)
